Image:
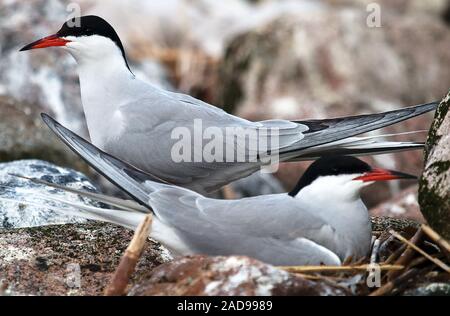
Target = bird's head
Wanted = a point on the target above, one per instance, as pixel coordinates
(88, 38)
(342, 177)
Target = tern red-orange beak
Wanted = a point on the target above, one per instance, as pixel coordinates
(384, 175)
(49, 41)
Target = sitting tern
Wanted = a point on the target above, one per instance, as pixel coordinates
(134, 120)
(321, 221)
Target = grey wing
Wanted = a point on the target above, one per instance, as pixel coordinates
(330, 130)
(156, 124)
(304, 134)
(271, 228)
(152, 133)
(155, 118)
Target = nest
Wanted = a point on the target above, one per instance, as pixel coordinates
(398, 265)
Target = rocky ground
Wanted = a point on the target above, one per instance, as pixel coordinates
(67, 259)
(79, 259)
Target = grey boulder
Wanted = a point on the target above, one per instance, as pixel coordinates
(16, 215)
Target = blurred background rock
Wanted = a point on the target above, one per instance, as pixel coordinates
(262, 59)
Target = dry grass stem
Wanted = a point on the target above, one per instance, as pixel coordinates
(436, 261)
(358, 268)
(119, 281)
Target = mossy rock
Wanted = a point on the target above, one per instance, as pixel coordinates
(434, 189)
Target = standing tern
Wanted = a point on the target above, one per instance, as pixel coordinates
(321, 221)
(134, 120)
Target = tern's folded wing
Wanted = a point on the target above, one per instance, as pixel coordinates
(237, 226)
(323, 131)
(154, 127)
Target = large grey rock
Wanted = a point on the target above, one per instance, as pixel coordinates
(434, 191)
(14, 215)
(23, 135)
(73, 259)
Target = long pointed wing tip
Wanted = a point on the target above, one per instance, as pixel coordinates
(50, 122)
(433, 105)
(45, 117)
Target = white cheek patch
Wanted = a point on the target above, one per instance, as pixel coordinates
(70, 38)
(337, 187)
(94, 45)
(73, 43)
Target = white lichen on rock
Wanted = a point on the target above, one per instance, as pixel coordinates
(18, 215)
(10, 253)
(240, 270)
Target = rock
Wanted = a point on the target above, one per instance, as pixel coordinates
(230, 276)
(403, 205)
(23, 135)
(14, 215)
(74, 259)
(433, 289)
(322, 63)
(434, 189)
